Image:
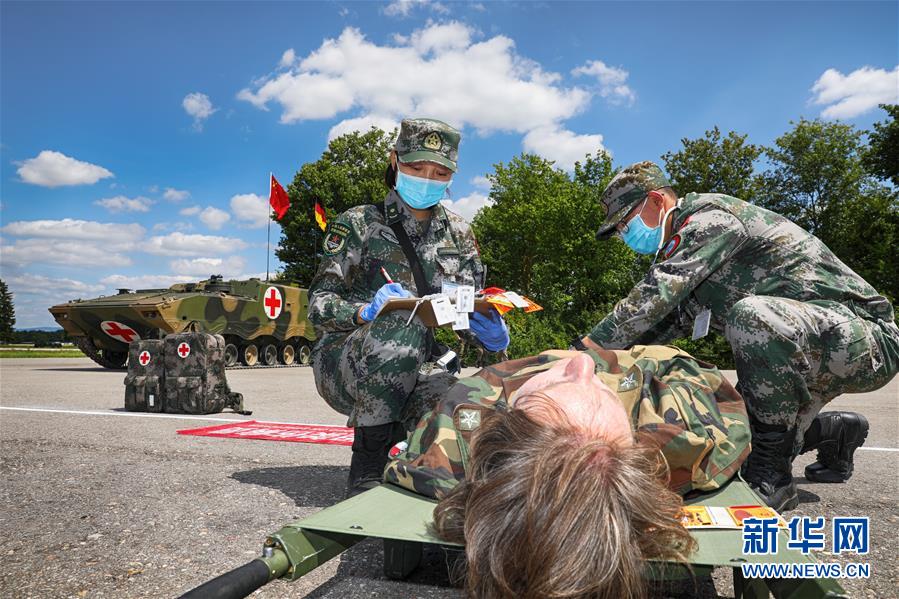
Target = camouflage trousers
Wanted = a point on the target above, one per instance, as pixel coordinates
(794, 357)
(372, 374)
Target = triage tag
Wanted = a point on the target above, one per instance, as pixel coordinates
(465, 300)
(448, 288)
(461, 322)
(701, 324)
(444, 312)
(517, 300)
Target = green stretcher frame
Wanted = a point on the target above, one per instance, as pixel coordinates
(401, 518)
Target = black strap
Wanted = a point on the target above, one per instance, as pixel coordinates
(418, 274)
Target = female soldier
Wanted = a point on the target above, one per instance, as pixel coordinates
(561, 473)
(368, 368)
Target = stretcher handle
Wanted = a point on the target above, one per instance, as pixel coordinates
(236, 584)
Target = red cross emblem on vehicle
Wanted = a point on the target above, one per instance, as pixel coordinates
(272, 302)
(144, 358)
(119, 331)
(183, 349)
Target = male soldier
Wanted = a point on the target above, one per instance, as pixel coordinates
(367, 367)
(802, 325)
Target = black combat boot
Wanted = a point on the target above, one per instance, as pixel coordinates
(768, 467)
(370, 447)
(836, 436)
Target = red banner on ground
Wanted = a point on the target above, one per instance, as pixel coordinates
(273, 431)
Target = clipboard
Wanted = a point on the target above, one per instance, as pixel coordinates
(425, 312)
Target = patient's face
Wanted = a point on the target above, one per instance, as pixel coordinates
(573, 387)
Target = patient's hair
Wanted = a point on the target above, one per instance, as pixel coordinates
(546, 511)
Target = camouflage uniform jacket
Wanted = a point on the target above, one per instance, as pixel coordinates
(723, 250)
(684, 406)
(360, 241)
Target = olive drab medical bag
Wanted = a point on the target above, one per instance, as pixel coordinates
(182, 374)
(145, 382)
(195, 380)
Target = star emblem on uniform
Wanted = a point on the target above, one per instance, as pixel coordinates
(628, 382)
(469, 419)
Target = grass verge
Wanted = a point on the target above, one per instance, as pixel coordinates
(50, 353)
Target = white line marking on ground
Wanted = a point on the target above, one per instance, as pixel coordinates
(179, 417)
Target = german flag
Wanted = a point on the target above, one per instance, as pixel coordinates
(320, 217)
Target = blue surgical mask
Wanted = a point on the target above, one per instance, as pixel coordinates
(418, 192)
(641, 238)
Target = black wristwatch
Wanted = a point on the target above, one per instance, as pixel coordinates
(577, 344)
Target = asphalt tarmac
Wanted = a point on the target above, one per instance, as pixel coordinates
(99, 502)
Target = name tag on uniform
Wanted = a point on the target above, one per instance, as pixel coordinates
(701, 324)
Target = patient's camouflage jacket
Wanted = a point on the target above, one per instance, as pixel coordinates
(685, 406)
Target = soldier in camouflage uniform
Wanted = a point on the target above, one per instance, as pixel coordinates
(367, 367)
(802, 325)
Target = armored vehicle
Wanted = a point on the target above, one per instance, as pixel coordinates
(263, 323)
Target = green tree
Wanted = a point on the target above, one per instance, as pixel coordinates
(714, 165)
(814, 170)
(882, 155)
(538, 238)
(818, 180)
(349, 173)
(7, 313)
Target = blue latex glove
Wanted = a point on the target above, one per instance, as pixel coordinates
(491, 330)
(384, 293)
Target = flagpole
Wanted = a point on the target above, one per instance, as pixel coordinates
(268, 233)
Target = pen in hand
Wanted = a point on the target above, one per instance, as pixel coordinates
(386, 276)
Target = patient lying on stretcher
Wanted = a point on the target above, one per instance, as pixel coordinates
(563, 472)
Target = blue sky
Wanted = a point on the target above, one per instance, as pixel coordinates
(137, 138)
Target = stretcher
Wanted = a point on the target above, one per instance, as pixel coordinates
(401, 519)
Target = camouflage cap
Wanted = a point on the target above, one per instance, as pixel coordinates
(428, 139)
(626, 190)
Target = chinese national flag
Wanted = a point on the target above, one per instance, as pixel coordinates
(278, 199)
(320, 217)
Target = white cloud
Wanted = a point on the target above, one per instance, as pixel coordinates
(71, 242)
(468, 206)
(851, 95)
(363, 124)
(287, 58)
(67, 228)
(145, 281)
(199, 106)
(612, 81)
(31, 284)
(252, 210)
(189, 211)
(481, 182)
(402, 8)
(438, 71)
(55, 169)
(126, 204)
(172, 226)
(203, 267)
(561, 145)
(65, 252)
(214, 218)
(175, 195)
(181, 244)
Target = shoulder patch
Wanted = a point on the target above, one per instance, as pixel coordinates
(335, 238)
(671, 247)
